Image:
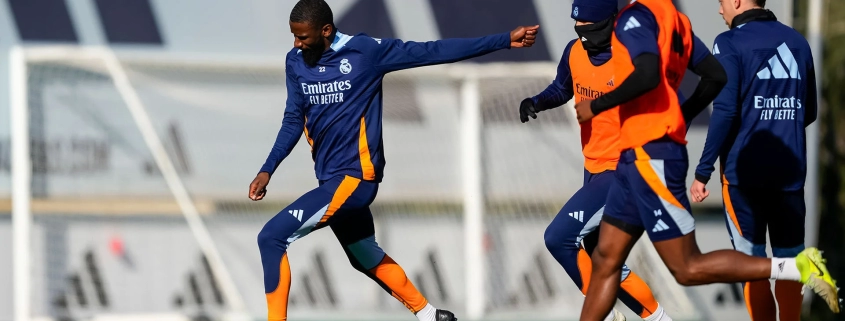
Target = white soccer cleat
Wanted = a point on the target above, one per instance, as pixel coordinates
(617, 316)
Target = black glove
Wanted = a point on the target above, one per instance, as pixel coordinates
(527, 108)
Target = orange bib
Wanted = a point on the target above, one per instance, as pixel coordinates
(600, 135)
(657, 113)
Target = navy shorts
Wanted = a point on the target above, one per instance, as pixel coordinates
(750, 212)
(649, 192)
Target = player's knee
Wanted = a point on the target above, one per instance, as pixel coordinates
(680, 271)
(688, 272)
(604, 262)
(556, 241)
(365, 254)
(684, 277)
(267, 240)
(559, 239)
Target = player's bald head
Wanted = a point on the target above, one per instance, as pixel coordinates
(316, 13)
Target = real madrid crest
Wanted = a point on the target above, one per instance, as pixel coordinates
(345, 66)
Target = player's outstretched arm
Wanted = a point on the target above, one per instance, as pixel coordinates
(556, 94)
(292, 127)
(394, 54)
(725, 114)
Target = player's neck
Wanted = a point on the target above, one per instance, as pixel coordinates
(750, 8)
(330, 40)
(752, 14)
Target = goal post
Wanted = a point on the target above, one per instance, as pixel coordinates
(473, 195)
(21, 173)
(130, 170)
(165, 165)
(22, 169)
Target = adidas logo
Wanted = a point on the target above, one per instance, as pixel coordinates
(780, 267)
(631, 24)
(660, 226)
(297, 214)
(716, 49)
(778, 70)
(610, 83)
(579, 215)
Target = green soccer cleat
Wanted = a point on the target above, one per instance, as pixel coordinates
(814, 275)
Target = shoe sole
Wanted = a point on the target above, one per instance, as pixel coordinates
(825, 291)
(618, 316)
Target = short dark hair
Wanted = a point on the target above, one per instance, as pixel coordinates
(317, 13)
(760, 3)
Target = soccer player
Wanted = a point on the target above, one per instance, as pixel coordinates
(334, 88)
(585, 72)
(649, 193)
(757, 132)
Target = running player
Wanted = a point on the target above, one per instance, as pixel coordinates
(334, 86)
(649, 192)
(759, 117)
(586, 71)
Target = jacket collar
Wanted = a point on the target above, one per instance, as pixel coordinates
(753, 15)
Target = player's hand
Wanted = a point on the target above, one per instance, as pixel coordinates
(258, 187)
(698, 191)
(524, 36)
(527, 108)
(583, 111)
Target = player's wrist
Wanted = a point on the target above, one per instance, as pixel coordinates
(532, 102)
(596, 107)
(508, 39)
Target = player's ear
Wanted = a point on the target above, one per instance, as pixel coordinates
(327, 30)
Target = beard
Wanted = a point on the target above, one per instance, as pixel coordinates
(312, 55)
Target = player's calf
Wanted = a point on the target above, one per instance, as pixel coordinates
(367, 256)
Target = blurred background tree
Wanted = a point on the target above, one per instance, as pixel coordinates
(832, 150)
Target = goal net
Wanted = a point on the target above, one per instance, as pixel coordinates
(141, 163)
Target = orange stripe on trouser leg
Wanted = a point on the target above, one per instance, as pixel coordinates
(343, 192)
(650, 176)
(639, 290)
(585, 266)
(364, 153)
(789, 297)
(277, 301)
(307, 136)
(392, 275)
(729, 207)
(759, 301)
